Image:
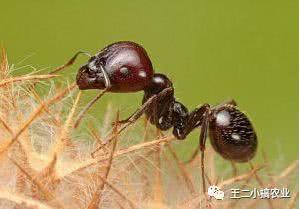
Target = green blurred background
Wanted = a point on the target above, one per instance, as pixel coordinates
(212, 50)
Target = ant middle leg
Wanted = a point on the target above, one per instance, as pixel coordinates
(186, 122)
(194, 120)
(202, 140)
(198, 117)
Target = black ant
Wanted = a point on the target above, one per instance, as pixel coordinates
(125, 67)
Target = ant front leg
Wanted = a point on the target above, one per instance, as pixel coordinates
(138, 113)
(151, 102)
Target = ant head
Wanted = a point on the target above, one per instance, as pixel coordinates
(232, 134)
(125, 64)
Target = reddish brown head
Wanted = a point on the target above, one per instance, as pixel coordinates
(126, 64)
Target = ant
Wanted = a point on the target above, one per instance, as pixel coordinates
(125, 66)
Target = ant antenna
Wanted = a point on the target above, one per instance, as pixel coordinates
(70, 62)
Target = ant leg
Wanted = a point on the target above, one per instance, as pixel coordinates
(202, 140)
(195, 119)
(152, 100)
(186, 125)
(137, 114)
(70, 62)
(196, 116)
(87, 107)
(167, 93)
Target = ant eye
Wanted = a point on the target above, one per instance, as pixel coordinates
(92, 68)
(124, 71)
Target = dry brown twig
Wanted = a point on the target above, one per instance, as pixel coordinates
(98, 193)
(22, 200)
(33, 116)
(25, 78)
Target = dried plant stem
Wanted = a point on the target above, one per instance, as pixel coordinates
(234, 202)
(158, 193)
(47, 194)
(240, 177)
(261, 184)
(87, 107)
(287, 171)
(107, 118)
(284, 173)
(4, 68)
(110, 138)
(293, 200)
(46, 109)
(182, 170)
(266, 161)
(119, 204)
(49, 170)
(97, 137)
(63, 139)
(134, 164)
(140, 146)
(146, 129)
(34, 115)
(25, 78)
(21, 200)
(132, 120)
(132, 205)
(93, 161)
(98, 193)
(6, 126)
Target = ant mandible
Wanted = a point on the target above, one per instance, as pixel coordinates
(124, 67)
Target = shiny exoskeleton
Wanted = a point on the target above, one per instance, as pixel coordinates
(126, 67)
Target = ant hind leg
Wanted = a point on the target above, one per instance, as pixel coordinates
(202, 140)
(195, 120)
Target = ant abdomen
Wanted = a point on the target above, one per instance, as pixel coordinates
(232, 134)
